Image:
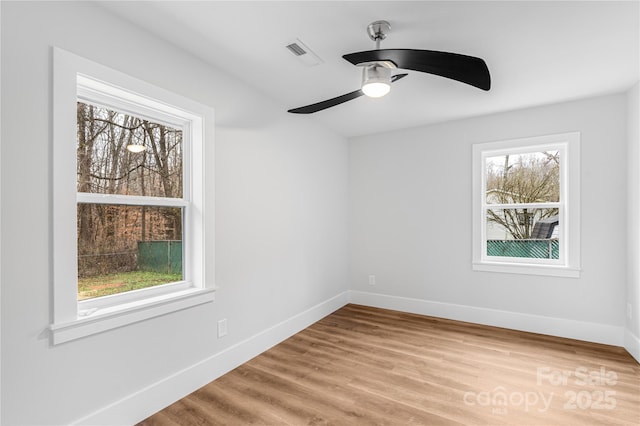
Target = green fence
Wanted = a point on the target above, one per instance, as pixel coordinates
(541, 249)
(160, 256)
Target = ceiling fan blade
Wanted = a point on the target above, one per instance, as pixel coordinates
(463, 68)
(319, 106)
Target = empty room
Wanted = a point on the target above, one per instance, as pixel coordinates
(320, 212)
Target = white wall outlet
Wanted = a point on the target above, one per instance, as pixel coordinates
(222, 328)
(629, 311)
(372, 280)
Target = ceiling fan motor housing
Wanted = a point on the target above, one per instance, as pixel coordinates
(376, 73)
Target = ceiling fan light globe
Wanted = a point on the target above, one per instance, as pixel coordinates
(376, 89)
(376, 80)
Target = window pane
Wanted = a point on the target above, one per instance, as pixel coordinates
(124, 248)
(523, 178)
(108, 163)
(528, 233)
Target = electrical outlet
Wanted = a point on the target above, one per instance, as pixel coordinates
(372, 280)
(222, 328)
(629, 311)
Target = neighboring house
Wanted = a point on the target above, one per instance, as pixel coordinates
(495, 231)
(543, 229)
(497, 195)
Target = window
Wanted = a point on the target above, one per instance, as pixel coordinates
(130, 201)
(129, 210)
(525, 205)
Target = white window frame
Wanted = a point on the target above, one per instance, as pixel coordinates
(76, 78)
(568, 264)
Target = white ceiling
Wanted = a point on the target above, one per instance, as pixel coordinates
(537, 52)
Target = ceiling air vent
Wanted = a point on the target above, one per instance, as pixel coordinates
(303, 53)
(296, 49)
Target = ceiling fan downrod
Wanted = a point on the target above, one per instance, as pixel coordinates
(378, 31)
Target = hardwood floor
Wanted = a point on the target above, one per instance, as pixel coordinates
(365, 366)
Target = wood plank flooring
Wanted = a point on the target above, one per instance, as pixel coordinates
(368, 366)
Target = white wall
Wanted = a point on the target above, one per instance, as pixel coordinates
(632, 339)
(281, 251)
(410, 224)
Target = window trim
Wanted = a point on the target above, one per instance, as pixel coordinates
(568, 264)
(77, 78)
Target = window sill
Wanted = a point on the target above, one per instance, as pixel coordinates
(527, 269)
(128, 313)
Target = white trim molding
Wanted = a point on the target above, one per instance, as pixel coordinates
(77, 78)
(560, 327)
(568, 262)
(130, 313)
(632, 344)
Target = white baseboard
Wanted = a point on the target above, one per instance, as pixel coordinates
(632, 344)
(141, 404)
(580, 330)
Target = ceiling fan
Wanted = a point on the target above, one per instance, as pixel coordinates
(377, 66)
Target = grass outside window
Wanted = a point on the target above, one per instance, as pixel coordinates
(105, 285)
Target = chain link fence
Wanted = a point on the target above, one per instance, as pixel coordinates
(532, 248)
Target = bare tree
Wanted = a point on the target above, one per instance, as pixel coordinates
(531, 178)
(104, 165)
